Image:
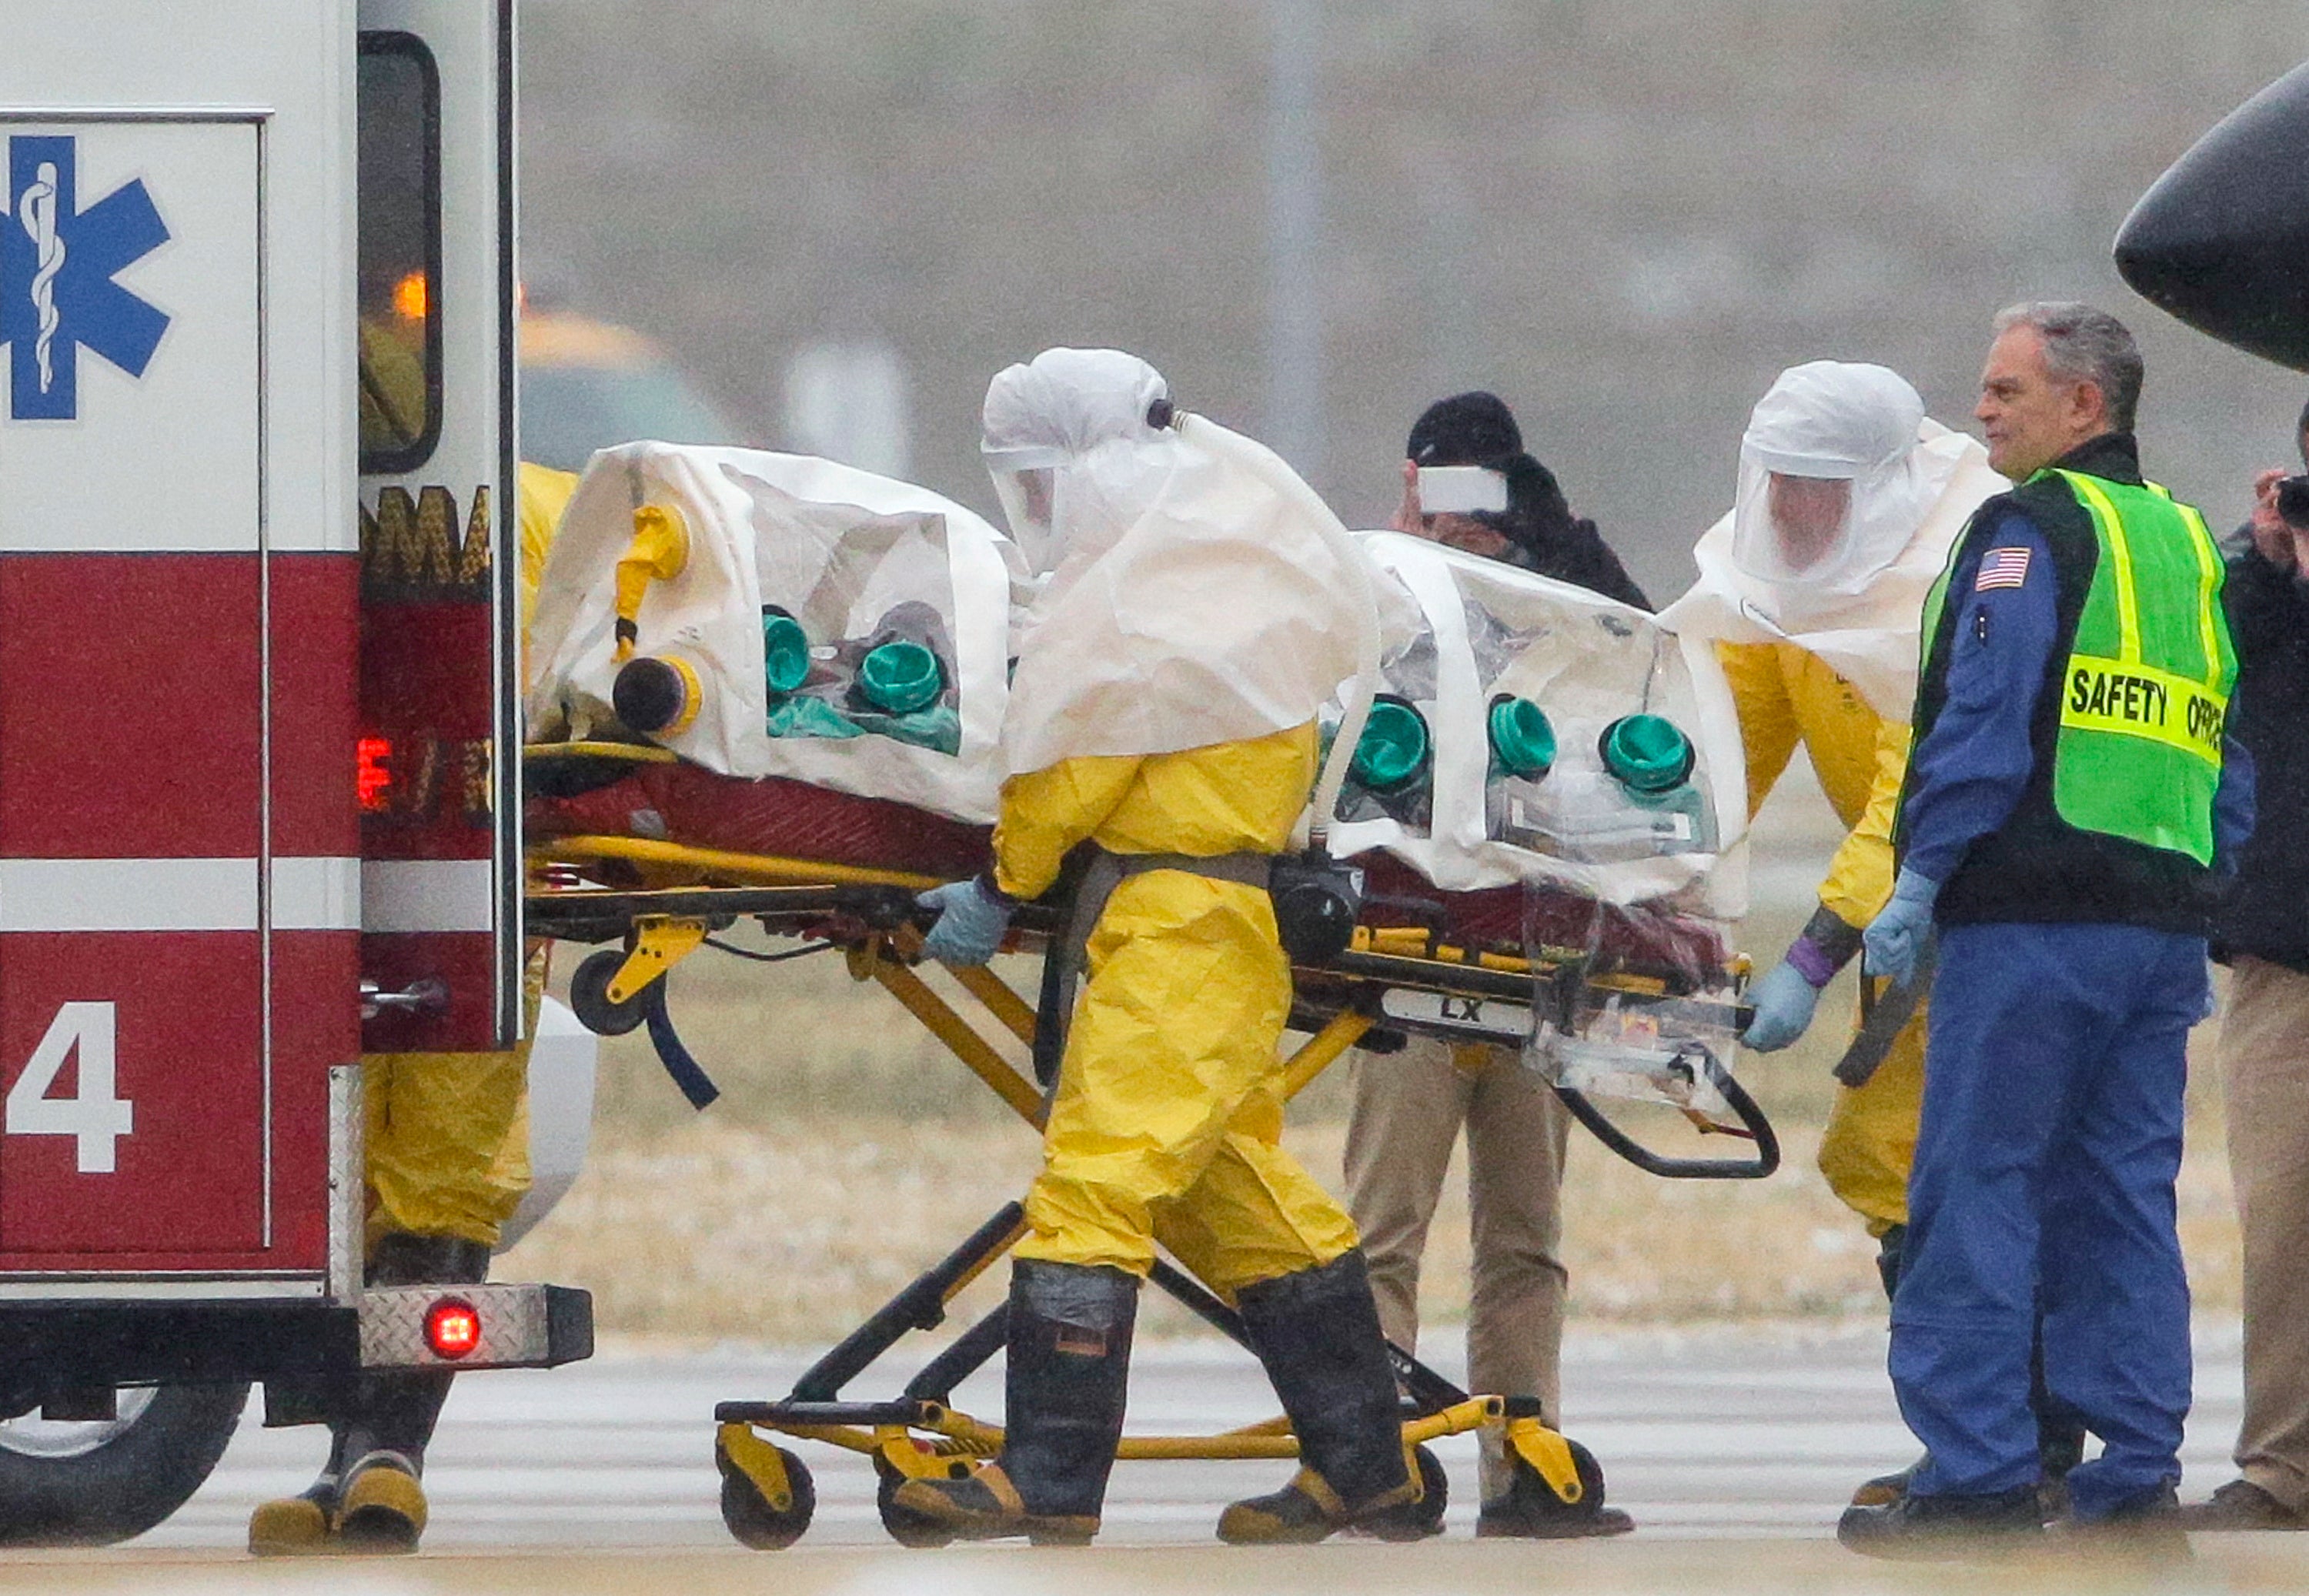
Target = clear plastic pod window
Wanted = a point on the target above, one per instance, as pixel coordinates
(845, 629)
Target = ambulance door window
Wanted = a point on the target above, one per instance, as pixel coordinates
(399, 196)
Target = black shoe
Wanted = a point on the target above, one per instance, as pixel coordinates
(2146, 1526)
(1949, 1528)
(2241, 1505)
(1066, 1373)
(1884, 1490)
(1318, 1333)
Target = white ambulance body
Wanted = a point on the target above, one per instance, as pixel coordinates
(257, 511)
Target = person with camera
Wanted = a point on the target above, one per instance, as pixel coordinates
(2262, 934)
(1469, 485)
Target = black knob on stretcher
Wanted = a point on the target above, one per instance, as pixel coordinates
(649, 695)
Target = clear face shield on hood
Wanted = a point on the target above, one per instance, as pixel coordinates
(1042, 417)
(1829, 490)
(1025, 483)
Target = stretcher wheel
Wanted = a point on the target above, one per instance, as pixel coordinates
(1415, 1521)
(589, 995)
(1590, 1471)
(751, 1518)
(906, 1526)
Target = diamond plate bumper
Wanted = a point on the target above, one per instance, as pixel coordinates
(522, 1327)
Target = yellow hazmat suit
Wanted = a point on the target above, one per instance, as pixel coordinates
(449, 1132)
(1169, 1107)
(1813, 588)
(1785, 695)
(1186, 633)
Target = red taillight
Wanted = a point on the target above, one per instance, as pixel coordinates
(453, 1327)
(374, 776)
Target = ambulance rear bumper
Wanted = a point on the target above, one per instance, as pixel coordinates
(82, 1343)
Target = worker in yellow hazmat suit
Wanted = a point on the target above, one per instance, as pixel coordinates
(1849, 499)
(446, 1136)
(1163, 709)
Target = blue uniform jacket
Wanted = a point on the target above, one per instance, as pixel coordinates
(1966, 777)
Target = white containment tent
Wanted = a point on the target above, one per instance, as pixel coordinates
(778, 615)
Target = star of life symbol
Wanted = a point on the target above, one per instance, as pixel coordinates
(57, 262)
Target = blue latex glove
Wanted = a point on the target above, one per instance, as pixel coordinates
(1898, 934)
(973, 916)
(1783, 1002)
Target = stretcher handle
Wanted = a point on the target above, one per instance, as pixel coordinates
(1765, 1160)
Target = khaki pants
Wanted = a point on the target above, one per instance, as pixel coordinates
(1408, 1110)
(2264, 1056)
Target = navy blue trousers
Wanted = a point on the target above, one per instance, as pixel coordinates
(2054, 1075)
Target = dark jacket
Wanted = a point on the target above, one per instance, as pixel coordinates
(1576, 554)
(2036, 867)
(1549, 539)
(2265, 912)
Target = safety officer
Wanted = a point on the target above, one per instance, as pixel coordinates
(2070, 797)
(1411, 1105)
(1848, 500)
(446, 1137)
(1163, 710)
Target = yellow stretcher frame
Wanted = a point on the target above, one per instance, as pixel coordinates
(767, 1499)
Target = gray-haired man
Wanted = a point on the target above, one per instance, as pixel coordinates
(2070, 797)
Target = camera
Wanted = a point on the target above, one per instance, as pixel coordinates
(2293, 501)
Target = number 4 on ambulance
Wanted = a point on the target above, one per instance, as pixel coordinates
(82, 1033)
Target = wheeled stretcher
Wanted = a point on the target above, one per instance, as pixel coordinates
(838, 872)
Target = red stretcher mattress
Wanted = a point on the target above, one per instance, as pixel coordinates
(689, 804)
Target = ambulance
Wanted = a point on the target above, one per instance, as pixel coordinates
(258, 697)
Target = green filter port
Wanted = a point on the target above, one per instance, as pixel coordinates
(1523, 739)
(1394, 747)
(901, 677)
(1646, 753)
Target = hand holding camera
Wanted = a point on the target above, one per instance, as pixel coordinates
(2280, 520)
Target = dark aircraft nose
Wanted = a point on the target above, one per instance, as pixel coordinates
(2221, 240)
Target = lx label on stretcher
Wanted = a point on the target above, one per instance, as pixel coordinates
(1492, 1019)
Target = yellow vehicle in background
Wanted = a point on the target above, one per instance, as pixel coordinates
(587, 385)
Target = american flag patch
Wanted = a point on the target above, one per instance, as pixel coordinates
(2002, 568)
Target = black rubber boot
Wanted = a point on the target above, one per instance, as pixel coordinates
(1888, 1258)
(1065, 1375)
(305, 1524)
(1944, 1527)
(1318, 1333)
(2059, 1436)
(381, 1507)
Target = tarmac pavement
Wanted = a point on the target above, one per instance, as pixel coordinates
(1735, 1446)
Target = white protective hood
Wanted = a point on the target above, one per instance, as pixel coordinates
(1859, 605)
(1195, 595)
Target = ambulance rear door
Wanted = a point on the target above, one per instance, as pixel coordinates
(440, 734)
